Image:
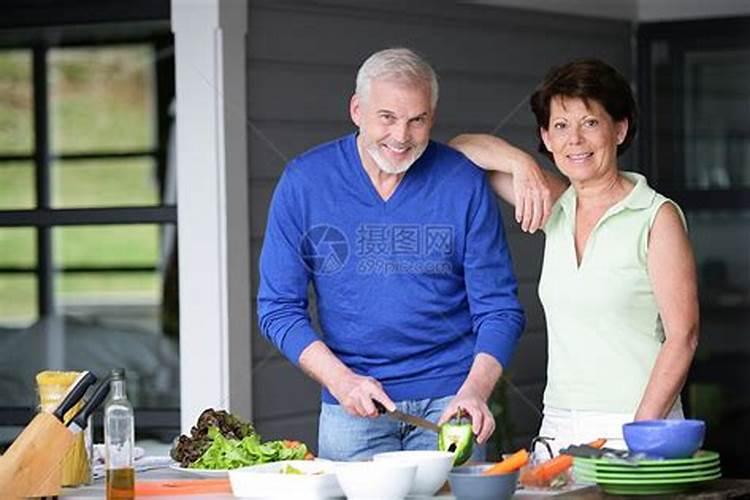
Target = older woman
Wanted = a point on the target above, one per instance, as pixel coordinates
(618, 281)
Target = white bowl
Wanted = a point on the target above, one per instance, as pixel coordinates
(432, 468)
(376, 480)
(317, 481)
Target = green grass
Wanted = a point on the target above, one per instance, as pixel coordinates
(17, 247)
(99, 183)
(17, 186)
(17, 299)
(15, 102)
(139, 286)
(106, 245)
(100, 101)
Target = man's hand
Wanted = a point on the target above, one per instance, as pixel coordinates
(533, 196)
(356, 392)
(482, 421)
(473, 395)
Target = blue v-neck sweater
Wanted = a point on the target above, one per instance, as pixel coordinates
(407, 290)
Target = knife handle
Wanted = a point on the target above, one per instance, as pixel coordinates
(92, 404)
(76, 392)
(379, 406)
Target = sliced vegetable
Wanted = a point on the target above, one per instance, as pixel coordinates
(545, 473)
(290, 469)
(457, 437)
(510, 464)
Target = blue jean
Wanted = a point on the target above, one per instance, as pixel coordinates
(345, 437)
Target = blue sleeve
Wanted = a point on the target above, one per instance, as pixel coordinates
(284, 279)
(497, 316)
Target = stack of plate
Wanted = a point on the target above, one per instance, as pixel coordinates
(648, 477)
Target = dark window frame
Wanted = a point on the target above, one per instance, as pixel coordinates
(104, 23)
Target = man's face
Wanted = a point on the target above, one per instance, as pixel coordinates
(394, 122)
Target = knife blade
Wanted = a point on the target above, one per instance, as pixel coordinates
(406, 418)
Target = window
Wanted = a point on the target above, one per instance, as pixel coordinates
(88, 219)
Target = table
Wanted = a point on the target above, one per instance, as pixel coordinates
(715, 490)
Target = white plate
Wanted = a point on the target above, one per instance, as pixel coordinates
(201, 472)
(317, 481)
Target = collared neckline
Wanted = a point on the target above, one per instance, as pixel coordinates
(640, 197)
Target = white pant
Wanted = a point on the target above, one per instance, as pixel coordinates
(573, 427)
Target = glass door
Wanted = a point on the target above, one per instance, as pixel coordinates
(694, 82)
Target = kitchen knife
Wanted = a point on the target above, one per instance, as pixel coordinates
(77, 389)
(406, 418)
(79, 422)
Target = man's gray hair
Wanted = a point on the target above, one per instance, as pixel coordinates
(397, 64)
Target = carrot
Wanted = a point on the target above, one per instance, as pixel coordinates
(510, 464)
(543, 474)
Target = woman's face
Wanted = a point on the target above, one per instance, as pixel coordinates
(582, 138)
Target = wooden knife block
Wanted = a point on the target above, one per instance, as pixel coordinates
(31, 467)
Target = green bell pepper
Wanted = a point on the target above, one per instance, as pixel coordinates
(457, 437)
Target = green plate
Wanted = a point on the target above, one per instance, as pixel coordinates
(701, 457)
(655, 489)
(650, 471)
(646, 475)
(650, 481)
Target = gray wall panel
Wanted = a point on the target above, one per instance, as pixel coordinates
(281, 390)
(526, 250)
(525, 406)
(300, 428)
(273, 143)
(302, 58)
(446, 34)
(530, 355)
(527, 294)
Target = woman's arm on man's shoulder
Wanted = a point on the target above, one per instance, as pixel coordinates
(515, 176)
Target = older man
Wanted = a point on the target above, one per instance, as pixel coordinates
(402, 240)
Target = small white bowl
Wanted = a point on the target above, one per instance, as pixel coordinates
(317, 481)
(376, 480)
(432, 468)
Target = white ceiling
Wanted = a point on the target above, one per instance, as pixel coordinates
(634, 10)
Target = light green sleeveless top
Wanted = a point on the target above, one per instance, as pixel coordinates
(603, 326)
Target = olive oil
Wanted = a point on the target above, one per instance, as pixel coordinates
(121, 484)
(119, 440)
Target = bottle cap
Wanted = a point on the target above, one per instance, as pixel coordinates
(118, 373)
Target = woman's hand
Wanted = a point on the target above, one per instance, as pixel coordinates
(515, 176)
(532, 195)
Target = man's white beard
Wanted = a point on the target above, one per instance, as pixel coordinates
(387, 166)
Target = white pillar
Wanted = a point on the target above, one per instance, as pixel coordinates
(212, 207)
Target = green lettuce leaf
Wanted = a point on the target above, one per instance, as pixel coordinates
(227, 453)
